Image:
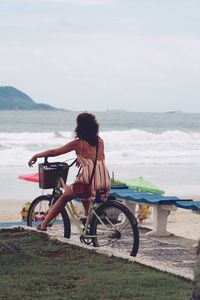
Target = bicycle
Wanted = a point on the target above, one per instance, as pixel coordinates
(110, 224)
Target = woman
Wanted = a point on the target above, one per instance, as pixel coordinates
(85, 146)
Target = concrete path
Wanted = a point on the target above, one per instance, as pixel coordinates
(172, 254)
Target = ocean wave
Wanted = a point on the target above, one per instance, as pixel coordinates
(142, 135)
(58, 134)
(129, 135)
(127, 147)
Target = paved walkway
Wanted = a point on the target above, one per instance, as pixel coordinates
(173, 254)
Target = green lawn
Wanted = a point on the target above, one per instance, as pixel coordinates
(34, 267)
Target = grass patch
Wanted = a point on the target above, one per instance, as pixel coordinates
(34, 267)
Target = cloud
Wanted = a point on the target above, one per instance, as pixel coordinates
(58, 50)
(73, 2)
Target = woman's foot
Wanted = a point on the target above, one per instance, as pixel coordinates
(40, 227)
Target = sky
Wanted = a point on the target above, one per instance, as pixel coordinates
(94, 55)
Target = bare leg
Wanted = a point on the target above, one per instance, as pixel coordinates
(56, 208)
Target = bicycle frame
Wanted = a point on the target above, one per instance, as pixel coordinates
(103, 226)
(74, 216)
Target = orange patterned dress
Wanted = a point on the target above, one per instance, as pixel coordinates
(101, 179)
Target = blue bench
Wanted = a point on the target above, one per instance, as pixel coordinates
(193, 205)
(162, 206)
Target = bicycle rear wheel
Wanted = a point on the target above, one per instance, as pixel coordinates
(58, 227)
(114, 226)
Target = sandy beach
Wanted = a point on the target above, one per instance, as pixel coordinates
(181, 222)
(10, 210)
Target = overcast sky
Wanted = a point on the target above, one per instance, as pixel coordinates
(138, 55)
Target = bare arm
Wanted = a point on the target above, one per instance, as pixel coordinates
(54, 152)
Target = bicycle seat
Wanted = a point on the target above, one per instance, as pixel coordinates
(101, 192)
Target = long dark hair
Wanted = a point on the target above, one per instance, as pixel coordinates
(87, 128)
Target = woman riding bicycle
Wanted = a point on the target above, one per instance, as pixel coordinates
(88, 147)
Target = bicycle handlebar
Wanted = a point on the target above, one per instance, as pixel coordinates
(70, 165)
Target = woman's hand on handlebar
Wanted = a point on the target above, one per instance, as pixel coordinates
(32, 161)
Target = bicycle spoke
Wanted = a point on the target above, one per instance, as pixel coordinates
(39, 209)
(115, 229)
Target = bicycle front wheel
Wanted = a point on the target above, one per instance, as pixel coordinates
(115, 227)
(58, 227)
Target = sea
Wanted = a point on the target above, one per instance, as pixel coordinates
(163, 148)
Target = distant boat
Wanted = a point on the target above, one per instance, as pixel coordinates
(116, 110)
(173, 112)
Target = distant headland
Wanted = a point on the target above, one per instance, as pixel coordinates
(13, 99)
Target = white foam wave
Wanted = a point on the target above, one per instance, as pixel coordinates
(38, 139)
(122, 147)
(142, 147)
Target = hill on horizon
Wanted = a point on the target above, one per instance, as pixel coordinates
(13, 99)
